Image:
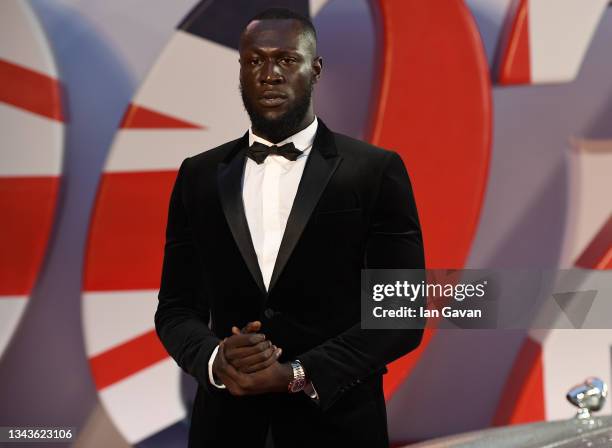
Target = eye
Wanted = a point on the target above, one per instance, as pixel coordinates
(288, 60)
(255, 62)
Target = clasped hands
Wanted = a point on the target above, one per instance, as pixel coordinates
(247, 363)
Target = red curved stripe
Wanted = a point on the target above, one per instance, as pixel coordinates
(30, 90)
(126, 359)
(139, 117)
(126, 240)
(27, 207)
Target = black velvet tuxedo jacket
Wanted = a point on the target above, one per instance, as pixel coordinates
(354, 209)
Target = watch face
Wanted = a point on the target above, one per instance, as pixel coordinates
(297, 386)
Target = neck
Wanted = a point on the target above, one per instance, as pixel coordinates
(303, 124)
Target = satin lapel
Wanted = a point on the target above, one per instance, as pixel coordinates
(320, 166)
(229, 179)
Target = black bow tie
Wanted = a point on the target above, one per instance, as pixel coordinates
(258, 151)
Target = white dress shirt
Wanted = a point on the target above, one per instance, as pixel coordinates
(268, 192)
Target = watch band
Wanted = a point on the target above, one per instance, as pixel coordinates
(298, 382)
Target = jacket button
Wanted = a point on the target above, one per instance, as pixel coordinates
(269, 313)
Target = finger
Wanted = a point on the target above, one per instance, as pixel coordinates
(245, 362)
(235, 330)
(244, 340)
(257, 367)
(265, 364)
(234, 353)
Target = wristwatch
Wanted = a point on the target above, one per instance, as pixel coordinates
(298, 382)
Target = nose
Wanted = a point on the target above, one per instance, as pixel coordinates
(270, 73)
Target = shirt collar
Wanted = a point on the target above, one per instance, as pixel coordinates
(301, 140)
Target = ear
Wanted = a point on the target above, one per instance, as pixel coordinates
(317, 67)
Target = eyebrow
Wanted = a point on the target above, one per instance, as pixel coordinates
(292, 51)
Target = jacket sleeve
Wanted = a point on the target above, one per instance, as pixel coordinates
(394, 242)
(182, 326)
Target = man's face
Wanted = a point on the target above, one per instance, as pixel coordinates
(278, 68)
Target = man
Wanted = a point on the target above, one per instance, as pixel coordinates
(267, 236)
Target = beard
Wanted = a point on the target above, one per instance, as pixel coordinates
(282, 127)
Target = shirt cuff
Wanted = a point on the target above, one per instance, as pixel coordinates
(310, 390)
(211, 377)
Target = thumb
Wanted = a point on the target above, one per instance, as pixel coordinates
(252, 327)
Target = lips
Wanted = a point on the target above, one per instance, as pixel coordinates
(272, 99)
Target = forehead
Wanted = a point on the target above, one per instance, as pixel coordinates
(286, 34)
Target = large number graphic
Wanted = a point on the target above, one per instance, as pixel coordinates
(434, 107)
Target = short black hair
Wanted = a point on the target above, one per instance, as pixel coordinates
(284, 13)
